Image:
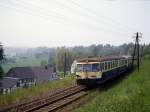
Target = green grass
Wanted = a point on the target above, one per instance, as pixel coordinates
(131, 93)
(20, 94)
(23, 62)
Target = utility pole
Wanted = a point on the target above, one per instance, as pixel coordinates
(65, 59)
(136, 52)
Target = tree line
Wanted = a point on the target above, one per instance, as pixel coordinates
(1, 60)
(77, 52)
(56, 56)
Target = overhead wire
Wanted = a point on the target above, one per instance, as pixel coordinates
(47, 16)
(34, 12)
(87, 16)
(58, 16)
(101, 15)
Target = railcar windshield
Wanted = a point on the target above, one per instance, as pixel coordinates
(79, 67)
(87, 67)
(96, 67)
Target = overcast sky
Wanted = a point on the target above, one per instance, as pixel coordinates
(54, 23)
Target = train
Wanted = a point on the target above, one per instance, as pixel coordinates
(96, 70)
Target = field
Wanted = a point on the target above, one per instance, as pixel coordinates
(129, 93)
(23, 62)
(26, 93)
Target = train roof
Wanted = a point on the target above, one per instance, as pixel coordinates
(100, 58)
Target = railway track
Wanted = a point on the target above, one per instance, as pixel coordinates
(50, 103)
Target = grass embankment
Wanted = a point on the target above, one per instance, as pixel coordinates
(25, 93)
(130, 93)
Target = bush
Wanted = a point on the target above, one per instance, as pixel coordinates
(1, 72)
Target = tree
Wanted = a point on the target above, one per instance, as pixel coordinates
(60, 58)
(1, 72)
(1, 60)
(51, 60)
(43, 63)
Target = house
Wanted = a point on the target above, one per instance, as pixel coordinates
(8, 84)
(19, 77)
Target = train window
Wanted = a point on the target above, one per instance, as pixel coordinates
(102, 66)
(109, 65)
(130, 61)
(119, 63)
(96, 67)
(113, 64)
(125, 62)
(87, 67)
(79, 67)
(105, 65)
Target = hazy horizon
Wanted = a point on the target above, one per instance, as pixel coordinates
(57, 23)
(26, 47)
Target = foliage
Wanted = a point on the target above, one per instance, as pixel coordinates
(23, 62)
(60, 58)
(1, 52)
(55, 56)
(1, 72)
(147, 49)
(44, 63)
(127, 94)
(1, 59)
(51, 60)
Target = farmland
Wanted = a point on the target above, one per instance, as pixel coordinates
(23, 62)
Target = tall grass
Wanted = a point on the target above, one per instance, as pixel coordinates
(20, 94)
(127, 94)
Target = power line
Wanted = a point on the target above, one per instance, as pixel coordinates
(57, 16)
(100, 16)
(65, 6)
(30, 12)
(87, 16)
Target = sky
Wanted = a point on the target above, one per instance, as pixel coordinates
(53, 23)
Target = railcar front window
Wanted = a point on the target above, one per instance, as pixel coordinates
(87, 67)
(95, 67)
(79, 68)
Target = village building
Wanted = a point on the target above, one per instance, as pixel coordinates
(20, 77)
